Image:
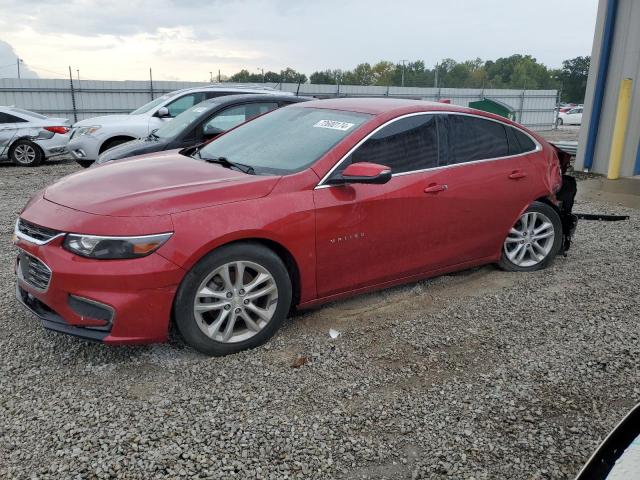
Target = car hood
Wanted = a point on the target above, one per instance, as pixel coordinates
(132, 148)
(156, 184)
(105, 120)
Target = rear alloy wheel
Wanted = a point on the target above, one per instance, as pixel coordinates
(559, 122)
(234, 299)
(26, 154)
(534, 240)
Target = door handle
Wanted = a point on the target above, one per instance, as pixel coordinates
(516, 174)
(435, 188)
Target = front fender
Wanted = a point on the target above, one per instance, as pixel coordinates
(287, 219)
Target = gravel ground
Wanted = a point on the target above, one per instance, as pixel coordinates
(565, 133)
(478, 375)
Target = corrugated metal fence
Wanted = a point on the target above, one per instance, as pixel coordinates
(90, 98)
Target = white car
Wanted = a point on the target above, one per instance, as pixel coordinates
(93, 136)
(28, 138)
(572, 117)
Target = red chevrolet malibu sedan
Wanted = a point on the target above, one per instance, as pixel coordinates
(307, 204)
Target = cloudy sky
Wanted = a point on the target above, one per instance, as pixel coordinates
(186, 39)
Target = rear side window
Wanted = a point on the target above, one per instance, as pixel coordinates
(518, 141)
(406, 145)
(468, 139)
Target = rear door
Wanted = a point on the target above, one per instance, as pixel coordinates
(488, 180)
(7, 131)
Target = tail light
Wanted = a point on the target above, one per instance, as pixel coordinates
(60, 130)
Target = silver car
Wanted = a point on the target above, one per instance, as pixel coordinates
(28, 138)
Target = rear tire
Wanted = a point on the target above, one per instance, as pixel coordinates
(25, 153)
(233, 299)
(534, 240)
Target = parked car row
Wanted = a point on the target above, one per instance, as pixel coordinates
(29, 138)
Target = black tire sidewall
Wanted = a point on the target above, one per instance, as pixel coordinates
(183, 304)
(553, 215)
(113, 142)
(39, 154)
(84, 163)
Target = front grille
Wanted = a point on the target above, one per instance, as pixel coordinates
(36, 232)
(34, 271)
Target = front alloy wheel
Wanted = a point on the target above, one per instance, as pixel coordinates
(534, 240)
(233, 299)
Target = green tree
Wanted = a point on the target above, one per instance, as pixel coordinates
(573, 78)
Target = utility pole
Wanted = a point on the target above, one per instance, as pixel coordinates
(210, 77)
(435, 85)
(18, 61)
(218, 75)
(262, 70)
(73, 96)
(78, 73)
(402, 82)
(151, 83)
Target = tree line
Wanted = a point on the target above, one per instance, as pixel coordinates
(516, 71)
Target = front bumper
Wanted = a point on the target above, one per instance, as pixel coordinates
(84, 147)
(112, 301)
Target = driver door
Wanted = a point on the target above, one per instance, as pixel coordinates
(371, 234)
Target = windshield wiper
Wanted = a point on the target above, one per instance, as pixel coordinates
(248, 169)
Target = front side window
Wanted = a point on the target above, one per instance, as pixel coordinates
(231, 117)
(184, 120)
(405, 145)
(468, 139)
(152, 104)
(287, 140)
(183, 103)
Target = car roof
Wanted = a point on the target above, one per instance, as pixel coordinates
(222, 87)
(383, 105)
(230, 99)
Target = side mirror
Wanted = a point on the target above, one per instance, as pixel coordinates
(364, 172)
(163, 112)
(618, 457)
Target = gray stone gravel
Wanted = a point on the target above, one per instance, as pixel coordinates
(478, 375)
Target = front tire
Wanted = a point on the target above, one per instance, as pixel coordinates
(534, 240)
(25, 153)
(84, 163)
(234, 299)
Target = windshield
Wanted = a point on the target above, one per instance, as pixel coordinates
(182, 121)
(286, 140)
(153, 103)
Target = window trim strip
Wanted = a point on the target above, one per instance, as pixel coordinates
(538, 148)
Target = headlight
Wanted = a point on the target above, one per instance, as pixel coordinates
(87, 130)
(106, 248)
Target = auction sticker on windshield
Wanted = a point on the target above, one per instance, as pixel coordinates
(334, 125)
